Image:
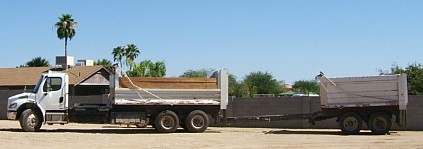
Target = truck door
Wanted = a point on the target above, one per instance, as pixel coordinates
(51, 96)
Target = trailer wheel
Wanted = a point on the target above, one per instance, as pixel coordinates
(166, 122)
(197, 121)
(30, 121)
(350, 123)
(379, 123)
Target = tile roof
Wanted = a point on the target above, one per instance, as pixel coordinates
(27, 76)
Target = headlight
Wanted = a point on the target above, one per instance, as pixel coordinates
(13, 105)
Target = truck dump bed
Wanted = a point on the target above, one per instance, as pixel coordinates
(172, 91)
(364, 91)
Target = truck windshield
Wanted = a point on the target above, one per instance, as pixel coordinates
(38, 85)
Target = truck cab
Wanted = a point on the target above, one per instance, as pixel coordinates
(47, 103)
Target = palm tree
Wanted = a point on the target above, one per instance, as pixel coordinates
(126, 55)
(159, 69)
(66, 30)
(105, 62)
(118, 55)
(131, 52)
(37, 62)
(147, 68)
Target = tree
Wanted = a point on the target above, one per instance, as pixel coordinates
(260, 83)
(306, 87)
(414, 76)
(233, 85)
(36, 62)
(66, 30)
(105, 62)
(118, 55)
(126, 55)
(131, 53)
(159, 69)
(202, 73)
(147, 68)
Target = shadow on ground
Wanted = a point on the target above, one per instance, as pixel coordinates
(316, 132)
(104, 131)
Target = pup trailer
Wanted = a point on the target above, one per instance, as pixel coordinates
(354, 101)
(166, 109)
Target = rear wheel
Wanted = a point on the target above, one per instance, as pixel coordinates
(350, 123)
(30, 121)
(166, 122)
(379, 123)
(197, 121)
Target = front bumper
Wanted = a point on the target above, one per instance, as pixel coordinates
(11, 115)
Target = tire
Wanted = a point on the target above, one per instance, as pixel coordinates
(30, 121)
(196, 121)
(166, 122)
(350, 123)
(379, 123)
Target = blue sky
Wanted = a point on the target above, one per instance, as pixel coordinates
(292, 39)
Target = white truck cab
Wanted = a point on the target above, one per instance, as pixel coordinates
(47, 103)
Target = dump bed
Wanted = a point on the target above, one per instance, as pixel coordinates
(390, 90)
(172, 91)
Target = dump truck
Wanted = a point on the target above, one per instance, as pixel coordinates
(166, 109)
(354, 101)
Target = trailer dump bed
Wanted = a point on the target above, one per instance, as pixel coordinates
(366, 91)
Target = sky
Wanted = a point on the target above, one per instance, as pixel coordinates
(291, 39)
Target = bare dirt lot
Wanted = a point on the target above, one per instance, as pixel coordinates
(115, 136)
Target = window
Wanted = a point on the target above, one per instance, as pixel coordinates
(52, 84)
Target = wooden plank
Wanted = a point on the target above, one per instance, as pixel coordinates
(170, 83)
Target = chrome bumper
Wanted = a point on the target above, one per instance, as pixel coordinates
(11, 115)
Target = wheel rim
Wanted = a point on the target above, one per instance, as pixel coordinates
(167, 122)
(380, 123)
(31, 120)
(350, 124)
(197, 121)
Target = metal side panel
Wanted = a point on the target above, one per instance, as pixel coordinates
(167, 96)
(363, 91)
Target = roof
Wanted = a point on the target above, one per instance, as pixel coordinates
(21, 76)
(80, 73)
(27, 76)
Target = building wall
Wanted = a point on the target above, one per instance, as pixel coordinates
(4, 95)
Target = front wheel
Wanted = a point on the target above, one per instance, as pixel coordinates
(197, 121)
(350, 123)
(166, 122)
(30, 121)
(379, 123)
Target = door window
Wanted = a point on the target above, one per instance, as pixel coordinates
(52, 84)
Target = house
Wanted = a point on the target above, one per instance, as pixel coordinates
(83, 81)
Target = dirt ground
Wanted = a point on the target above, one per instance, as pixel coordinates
(115, 136)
